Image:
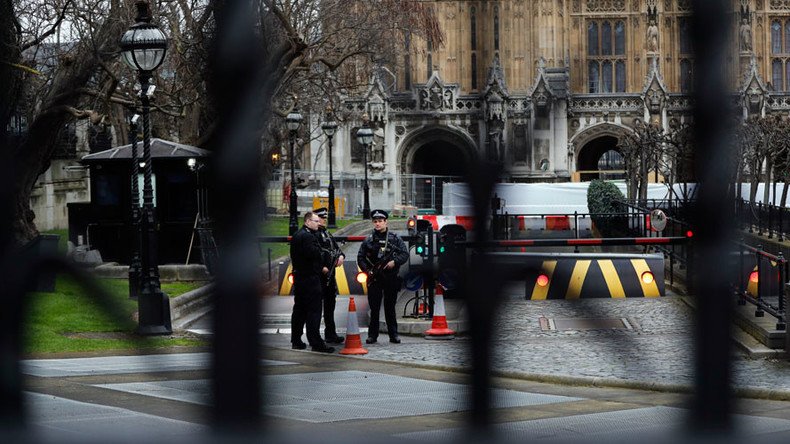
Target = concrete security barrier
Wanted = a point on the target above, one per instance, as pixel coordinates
(585, 275)
(345, 277)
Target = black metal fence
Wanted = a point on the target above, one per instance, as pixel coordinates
(235, 84)
(761, 281)
(763, 218)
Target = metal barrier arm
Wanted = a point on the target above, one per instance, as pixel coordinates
(580, 242)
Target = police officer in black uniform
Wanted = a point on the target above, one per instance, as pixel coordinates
(381, 255)
(308, 269)
(333, 257)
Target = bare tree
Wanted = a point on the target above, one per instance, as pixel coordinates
(61, 63)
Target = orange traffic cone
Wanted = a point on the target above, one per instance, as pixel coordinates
(439, 329)
(353, 340)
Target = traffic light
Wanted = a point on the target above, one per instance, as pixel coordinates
(424, 242)
(421, 244)
(411, 225)
(451, 252)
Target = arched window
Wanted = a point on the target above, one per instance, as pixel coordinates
(606, 39)
(592, 38)
(786, 47)
(686, 75)
(407, 62)
(429, 60)
(496, 28)
(592, 77)
(474, 71)
(684, 33)
(776, 37)
(473, 27)
(620, 75)
(607, 76)
(619, 38)
(606, 68)
(776, 75)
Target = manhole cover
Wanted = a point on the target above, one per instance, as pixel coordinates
(548, 324)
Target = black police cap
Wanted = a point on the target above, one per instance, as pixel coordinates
(379, 214)
(321, 212)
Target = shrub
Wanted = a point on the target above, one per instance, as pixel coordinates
(602, 198)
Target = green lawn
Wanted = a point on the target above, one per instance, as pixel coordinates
(70, 321)
(278, 226)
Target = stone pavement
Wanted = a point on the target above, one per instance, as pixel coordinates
(652, 349)
(329, 398)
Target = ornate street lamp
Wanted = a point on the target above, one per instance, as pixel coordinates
(143, 48)
(365, 138)
(135, 267)
(329, 127)
(292, 121)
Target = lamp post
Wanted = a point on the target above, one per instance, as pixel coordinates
(365, 138)
(143, 48)
(135, 268)
(329, 127)
(292, 121)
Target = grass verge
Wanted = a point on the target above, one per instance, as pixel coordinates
(278, 226)
(70, 321)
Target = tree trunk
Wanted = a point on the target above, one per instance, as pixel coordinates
(784, 194)
(767, 187)
(32, 158)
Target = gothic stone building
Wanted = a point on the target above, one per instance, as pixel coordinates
(548, 86)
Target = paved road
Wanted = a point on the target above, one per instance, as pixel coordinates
(315, 397)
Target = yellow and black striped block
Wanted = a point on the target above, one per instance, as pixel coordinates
(345, 276)
(615, 276)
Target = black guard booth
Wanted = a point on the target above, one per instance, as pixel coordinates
(105, 222)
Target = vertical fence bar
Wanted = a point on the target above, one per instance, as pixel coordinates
(758, 312)
(782, 318)
(235, 84)
(711, 403)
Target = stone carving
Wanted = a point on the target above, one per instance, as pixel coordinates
(745, 32)
(651, 38)
(780, 5)
(655, 99)
(605, 5)
(577, 6)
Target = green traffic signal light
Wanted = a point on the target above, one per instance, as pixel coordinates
(419, 249)
(441, 249)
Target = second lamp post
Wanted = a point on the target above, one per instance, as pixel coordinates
(329, 127)
(293, 121)
(143, 48)
(365, 138)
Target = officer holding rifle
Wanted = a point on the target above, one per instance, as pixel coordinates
(332, 257)
(380, 256)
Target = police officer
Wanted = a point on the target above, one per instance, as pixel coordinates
(333, 257)
(381, 255)
(308, 267)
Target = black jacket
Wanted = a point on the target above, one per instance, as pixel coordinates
(379, 247)
(328, 247)
(306, 253)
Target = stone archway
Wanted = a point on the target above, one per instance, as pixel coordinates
(591, 145)
(430, 157)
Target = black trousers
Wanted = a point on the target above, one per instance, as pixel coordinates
(385, 288)
(307, 310)
(330, 302)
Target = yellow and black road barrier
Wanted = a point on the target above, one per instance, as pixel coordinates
(576, 276)
(345, 277)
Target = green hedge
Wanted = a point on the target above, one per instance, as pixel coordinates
(602, 198)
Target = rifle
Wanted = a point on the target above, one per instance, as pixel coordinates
(377, 269)
(334, 254)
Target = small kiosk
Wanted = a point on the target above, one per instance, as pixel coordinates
(180, 199)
